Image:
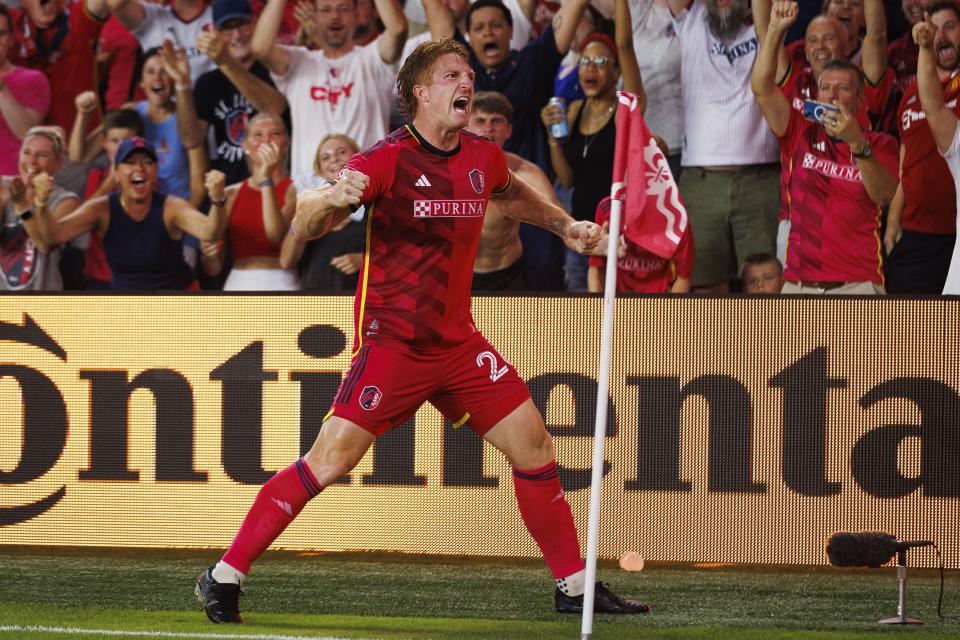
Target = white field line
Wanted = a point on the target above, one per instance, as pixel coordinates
(156, 634)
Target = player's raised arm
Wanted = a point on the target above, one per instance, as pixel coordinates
(519, 201)
(320, 210)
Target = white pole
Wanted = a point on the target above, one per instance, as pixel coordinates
(600, 428)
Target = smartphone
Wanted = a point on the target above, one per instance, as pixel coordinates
(817, 111)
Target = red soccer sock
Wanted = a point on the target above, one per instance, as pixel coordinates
(547, 515)
(278, 503)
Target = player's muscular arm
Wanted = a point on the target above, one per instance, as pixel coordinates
(320, 210)
(519, 201)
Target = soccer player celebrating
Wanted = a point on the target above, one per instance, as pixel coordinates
(426, 187)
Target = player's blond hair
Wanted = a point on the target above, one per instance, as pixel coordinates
(418, 67)
(52, 133)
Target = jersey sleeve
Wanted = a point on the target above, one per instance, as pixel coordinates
(152, 26)
(952, 155)
(202, 97)
(881, 101)
(298, 56)
(378, 164)
(887, 151)
(689, 18)
(796, 125)
(501, 176)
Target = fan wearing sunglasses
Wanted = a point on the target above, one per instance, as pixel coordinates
(584, 159)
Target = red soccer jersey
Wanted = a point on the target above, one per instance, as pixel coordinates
(64, 52)
(930, 197)
(640, 271)
(835, 226)
(800, 84)
(425, 214)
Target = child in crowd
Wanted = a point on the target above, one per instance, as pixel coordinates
(638, 270)
(762, 273)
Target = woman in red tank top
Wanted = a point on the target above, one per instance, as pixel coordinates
(255, 208)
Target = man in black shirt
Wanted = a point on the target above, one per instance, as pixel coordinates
(238, 88)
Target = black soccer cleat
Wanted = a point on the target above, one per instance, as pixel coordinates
(604, 601)
(221, 601)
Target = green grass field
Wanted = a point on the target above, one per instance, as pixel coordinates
(93, 593)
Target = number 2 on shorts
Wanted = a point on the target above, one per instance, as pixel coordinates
(495, 374)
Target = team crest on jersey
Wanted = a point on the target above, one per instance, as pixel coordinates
(476, 180)
(370, 397)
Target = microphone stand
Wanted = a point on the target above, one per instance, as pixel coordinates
(901, 618)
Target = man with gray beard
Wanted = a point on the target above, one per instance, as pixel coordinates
(730, 177)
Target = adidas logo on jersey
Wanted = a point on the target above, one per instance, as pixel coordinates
(423, 182)
(820, 146)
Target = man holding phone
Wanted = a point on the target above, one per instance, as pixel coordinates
(840, 175)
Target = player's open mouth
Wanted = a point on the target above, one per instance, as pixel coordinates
(461, 104)
(158, 87)
(491, 48)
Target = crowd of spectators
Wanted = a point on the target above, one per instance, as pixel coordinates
(162, 145)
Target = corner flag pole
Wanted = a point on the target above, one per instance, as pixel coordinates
(628, 102)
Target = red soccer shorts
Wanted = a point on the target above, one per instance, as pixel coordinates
(469, 384)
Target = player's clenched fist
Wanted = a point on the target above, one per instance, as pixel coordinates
(583, 236)
(348, 189)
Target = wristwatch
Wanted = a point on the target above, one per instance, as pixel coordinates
(865, 153)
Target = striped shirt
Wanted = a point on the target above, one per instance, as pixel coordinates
(722, 122)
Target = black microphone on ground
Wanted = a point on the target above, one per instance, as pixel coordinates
(867, 548)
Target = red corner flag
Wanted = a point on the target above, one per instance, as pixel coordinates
(654, 217)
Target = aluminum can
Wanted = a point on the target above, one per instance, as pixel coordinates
(560, 129)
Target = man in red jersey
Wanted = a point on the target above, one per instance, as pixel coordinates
(839, 175)
(426, 187)
(921, 222)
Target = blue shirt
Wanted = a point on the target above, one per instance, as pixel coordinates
(173, 166)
